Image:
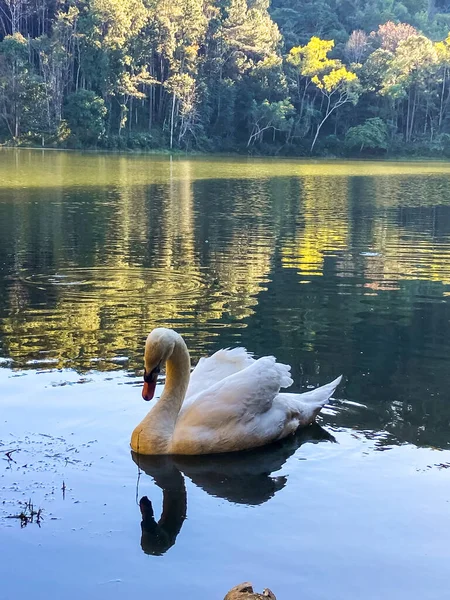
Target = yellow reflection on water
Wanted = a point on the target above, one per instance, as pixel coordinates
(99, 249)
(324, 209)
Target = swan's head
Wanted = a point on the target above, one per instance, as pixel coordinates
(158, 349)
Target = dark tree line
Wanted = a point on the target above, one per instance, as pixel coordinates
(299, 76)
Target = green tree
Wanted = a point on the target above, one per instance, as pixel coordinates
(371, 135)
(22, 92)
(443, 62)
(410, 77)
(85, 113)
(55, 56)
(272, 116)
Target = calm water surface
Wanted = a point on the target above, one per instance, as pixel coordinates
(332, 267)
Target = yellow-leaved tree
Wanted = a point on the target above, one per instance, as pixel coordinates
(307, 61)
(338, 85)
(329, 75)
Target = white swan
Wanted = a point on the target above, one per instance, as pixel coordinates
(230, 402)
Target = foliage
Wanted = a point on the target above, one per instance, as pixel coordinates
(389, 35)
(371, 135)
(228, 75)
(357, 46)
(334, 81)
(269, 115)
(22, 93)
(330, 76)
(312, 58)
(85, 113)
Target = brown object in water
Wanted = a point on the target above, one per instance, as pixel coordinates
(244, 591)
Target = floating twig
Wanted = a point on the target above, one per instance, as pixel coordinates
(8, 454)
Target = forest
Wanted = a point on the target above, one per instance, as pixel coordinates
(291, 77)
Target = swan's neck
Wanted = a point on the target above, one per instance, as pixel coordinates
(155, 432)
(178, 368)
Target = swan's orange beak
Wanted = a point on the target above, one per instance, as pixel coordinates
(148, 391)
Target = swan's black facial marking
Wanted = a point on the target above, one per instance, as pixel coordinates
(153, 375)
(150, 380)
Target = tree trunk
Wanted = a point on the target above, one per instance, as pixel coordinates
(131, 115)
(413, 114)
(172, 116)
(150, 108)
(302, 103)
(319, 126)
(407, 116)
(441, 107)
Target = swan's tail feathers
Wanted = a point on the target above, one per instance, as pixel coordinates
(320, 395)
(315, 400)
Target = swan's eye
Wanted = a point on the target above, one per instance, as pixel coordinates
(153, 375)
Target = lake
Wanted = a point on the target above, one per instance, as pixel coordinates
(333, 267)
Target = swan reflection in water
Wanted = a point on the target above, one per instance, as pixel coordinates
(240, 478)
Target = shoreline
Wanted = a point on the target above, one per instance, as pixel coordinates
(217, 154)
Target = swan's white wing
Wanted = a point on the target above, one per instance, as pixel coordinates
(234, 413)
(245, 393)
(215, 368)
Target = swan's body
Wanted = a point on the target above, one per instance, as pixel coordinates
(230, 402)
